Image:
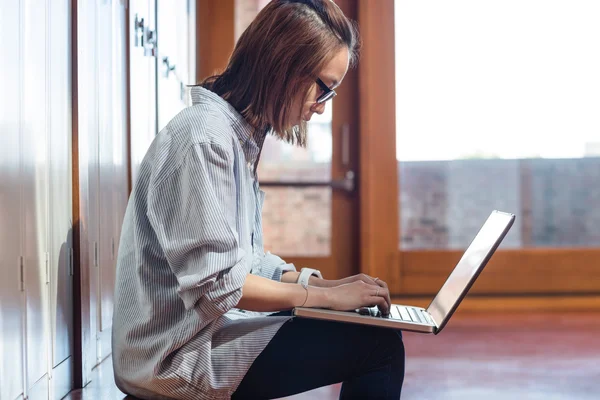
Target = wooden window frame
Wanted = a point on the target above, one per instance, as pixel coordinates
(528, 272)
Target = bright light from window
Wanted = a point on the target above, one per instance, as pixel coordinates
(506, 79)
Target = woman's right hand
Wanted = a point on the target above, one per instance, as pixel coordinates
(358, 294)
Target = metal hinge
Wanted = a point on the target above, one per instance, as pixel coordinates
(95, 254)
(21, 274)
(112, 243)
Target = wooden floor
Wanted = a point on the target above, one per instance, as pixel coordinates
(496, 356)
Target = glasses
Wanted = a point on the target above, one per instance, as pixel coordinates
(327, 94)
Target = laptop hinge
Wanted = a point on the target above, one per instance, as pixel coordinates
(435, 324)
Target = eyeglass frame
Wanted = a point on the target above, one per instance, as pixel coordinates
(327, 94)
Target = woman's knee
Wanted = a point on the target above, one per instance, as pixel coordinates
(392, 340)
(385, 352)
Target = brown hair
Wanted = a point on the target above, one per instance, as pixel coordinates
(280, 55)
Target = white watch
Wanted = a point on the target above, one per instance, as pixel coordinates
(305, 274)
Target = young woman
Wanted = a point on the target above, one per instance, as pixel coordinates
(201, 312)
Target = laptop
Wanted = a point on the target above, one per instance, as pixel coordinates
(436, 316)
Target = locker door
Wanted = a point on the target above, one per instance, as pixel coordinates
(142, 79)
(11, 296)
(34, 164)
(60, 216)
(112, 156)
(88, 166)
(173, 24)
(119, 126)
(106, 174)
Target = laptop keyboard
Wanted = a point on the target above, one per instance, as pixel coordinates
(411, 314)
(402, 313)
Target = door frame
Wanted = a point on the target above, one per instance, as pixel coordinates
(215, 44)
(344, 258)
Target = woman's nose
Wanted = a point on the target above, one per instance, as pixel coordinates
(319, 108)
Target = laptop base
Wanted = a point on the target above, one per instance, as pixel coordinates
(356, 318)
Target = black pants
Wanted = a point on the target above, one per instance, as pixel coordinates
(306, 354)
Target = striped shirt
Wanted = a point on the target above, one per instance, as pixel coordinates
(191, 234)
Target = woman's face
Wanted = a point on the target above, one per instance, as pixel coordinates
(332, 75)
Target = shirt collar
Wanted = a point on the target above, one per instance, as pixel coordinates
(245, 133)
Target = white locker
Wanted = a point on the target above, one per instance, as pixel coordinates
(35, 208)
(34, 179)
(11, 296)
(60, 198)
(87, 64)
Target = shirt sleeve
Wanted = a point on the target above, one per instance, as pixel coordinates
(192, 212)
(272, 267)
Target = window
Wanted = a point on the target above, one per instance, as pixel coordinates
(296, 221)
(497, 108)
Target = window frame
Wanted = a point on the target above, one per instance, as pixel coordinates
(526, 272)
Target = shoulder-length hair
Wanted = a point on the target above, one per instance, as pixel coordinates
(278, 57)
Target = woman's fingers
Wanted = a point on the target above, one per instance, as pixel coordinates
(384, 285)
(367, 279)
(381, 303)
(380, 292)
(381, 283)
(387, 292)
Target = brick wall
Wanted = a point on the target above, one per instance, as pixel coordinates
(444, 203)
(565, 204)
(297, 221)
(557, 202)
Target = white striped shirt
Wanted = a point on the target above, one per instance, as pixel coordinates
(191, 234)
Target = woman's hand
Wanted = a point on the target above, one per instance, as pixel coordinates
(326, 283)
(357, 294)
(360, 277)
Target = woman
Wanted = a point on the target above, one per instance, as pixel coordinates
(196, 297)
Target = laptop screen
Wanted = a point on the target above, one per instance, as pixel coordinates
(470, 265)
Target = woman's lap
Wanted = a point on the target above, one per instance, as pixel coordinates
(306, 354)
